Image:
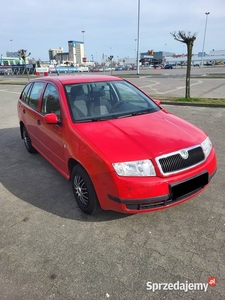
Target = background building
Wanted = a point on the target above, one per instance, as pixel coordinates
(53, 52)
(62, 57)
(10, 61)
(76, 52)
(12, 54)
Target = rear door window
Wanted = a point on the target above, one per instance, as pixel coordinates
(32, 99)
(25, 92)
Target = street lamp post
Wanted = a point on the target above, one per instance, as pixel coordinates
(110, 58)
(83, 31)
(207, 13)
(138, 37)
(135, 47)
(11, 47)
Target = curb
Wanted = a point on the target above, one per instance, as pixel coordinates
(192, 104)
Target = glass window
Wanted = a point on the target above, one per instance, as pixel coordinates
(25, 92)
(50, 102)
(128, 93)
(32, 99)
(107, 100)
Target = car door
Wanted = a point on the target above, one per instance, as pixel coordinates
(51, 135)
(29, 107)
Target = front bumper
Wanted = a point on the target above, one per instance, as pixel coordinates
(145, 194)
(179, 193)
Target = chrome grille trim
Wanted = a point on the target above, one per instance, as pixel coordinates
(174, 163)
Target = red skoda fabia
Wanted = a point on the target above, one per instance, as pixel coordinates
(118, 147)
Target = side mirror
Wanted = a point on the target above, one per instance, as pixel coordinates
(51, 119)
(157, 102)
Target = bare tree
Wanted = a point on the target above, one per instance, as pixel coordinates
(23, 54)
(188, 39)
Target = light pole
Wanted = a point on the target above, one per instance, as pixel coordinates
(83, 31)
(11, 47)
(135, 47)
(207, 13)
(138, 36)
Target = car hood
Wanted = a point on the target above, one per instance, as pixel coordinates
(140, 137)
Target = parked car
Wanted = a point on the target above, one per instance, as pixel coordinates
(168, 67)
(4, 71)
(208, 63)
(119, 148)
(94, 69)
(119, 68)
(109, 68)
(134, 68)
(83, 69)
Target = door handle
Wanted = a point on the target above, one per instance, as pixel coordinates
(38, 122)
(24, 111)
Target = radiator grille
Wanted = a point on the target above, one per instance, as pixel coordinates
(183, 159)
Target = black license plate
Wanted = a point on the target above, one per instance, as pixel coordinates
(188, 187)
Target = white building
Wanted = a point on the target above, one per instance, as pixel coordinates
(213, 57)
(76, 52)
(53, 52)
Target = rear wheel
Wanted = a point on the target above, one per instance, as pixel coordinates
(84, 191)
(27, 141)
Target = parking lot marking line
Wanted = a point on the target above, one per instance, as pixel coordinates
(7, 91)
(212, 89)
(169, 91)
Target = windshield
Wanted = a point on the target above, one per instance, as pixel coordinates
(97, 101)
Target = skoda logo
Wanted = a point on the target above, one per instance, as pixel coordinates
(184, 154)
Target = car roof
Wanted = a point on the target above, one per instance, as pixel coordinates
(70, 79)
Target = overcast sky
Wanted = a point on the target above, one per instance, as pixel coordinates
(110, 26)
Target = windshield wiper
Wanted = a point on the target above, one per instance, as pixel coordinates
(97, 119)
(142, 112)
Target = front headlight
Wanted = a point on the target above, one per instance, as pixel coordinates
(135, 168)
(206, 146)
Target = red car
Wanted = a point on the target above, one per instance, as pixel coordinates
(118, 147)
(95, 69)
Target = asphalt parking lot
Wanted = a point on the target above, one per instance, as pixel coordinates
(207, 82)
(50, 250)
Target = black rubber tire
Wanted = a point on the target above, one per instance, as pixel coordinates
(84, 191)
(27, 141)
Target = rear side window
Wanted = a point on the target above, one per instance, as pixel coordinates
(25, 92)
(34, 95)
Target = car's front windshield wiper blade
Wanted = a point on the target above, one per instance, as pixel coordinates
(135, 113)
(141, 112)
(96, 119)
(120, 116)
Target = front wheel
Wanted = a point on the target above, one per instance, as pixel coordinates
(84, 191)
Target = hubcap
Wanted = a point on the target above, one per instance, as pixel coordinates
(81, 190)
(26, 139)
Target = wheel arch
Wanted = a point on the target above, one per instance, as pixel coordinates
(21, 129)
(71, 164)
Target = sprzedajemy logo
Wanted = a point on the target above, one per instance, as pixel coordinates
(181, 286)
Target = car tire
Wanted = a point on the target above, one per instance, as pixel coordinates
(27, 141)
(84, 191)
